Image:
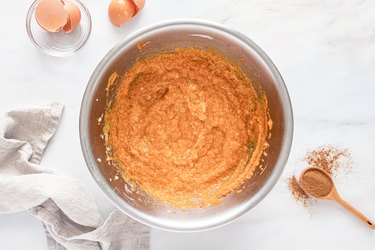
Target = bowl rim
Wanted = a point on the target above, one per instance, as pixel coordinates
(133, 212)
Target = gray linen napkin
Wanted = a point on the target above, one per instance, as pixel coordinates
(70, 216)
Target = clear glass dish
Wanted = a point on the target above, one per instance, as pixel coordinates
(59, 44)
(167, 36)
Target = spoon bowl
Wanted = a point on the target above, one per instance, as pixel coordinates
(318, 183)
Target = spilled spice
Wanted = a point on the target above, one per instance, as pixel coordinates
(297, 192)
(329, 158)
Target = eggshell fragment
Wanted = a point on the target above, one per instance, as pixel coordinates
(74, 16)
(139, 4)
(121, 11)
(51, 15)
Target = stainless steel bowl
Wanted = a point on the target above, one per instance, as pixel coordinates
(167, 36)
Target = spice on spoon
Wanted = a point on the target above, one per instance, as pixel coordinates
(317, 183)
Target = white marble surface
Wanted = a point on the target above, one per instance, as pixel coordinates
(325, 51)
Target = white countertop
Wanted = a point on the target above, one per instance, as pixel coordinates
(325, 50)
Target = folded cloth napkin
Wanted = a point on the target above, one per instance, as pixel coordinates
(70, 216)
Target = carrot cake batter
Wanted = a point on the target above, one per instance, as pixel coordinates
(187, 127)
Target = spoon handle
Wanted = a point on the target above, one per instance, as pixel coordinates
(355, 212)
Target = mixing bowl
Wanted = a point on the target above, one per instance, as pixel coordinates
(165, 37)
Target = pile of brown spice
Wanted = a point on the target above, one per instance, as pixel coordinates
(329, 158)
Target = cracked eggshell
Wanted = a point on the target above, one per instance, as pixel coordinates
(51, 15)
(74, 14)
(121, 11)
(139, 4)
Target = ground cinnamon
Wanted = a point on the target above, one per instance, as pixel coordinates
(316, 183)
(297, 191)
(329, 158)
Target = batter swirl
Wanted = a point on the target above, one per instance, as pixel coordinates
(187, 127)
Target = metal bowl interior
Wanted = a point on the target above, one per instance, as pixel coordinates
(164, 37)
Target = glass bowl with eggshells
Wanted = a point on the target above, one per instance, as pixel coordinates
(58, 27)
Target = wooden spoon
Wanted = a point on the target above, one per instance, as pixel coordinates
(318, 184)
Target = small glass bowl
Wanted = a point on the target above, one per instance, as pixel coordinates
(59, 44)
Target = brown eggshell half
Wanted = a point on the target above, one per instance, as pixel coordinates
(74, 16)
(51, 15)
(139, 4)
(121, 11)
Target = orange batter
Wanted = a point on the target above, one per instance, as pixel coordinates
(187, 127)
